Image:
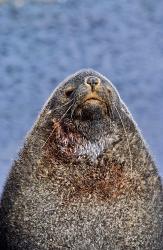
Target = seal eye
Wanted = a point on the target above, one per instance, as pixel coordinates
(69, 92)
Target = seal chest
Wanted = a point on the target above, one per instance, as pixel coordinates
(84, 178)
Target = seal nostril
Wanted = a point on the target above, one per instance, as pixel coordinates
(93, 81)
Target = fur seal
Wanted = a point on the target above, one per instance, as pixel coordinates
(84, 178)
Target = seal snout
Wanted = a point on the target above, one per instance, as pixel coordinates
(93, 82)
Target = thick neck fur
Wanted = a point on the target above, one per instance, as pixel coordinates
(85, 140)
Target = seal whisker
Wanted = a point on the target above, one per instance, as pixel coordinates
(128, 143)
(49, 137)
(111, 111)
(55, 127)
(73, 110)
(111, 114)
(63, 105)
(66, 112)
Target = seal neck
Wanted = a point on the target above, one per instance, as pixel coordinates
(93, 130)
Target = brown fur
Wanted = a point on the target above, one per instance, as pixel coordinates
(85, 178)
(105, 180)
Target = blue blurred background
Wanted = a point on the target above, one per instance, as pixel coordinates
(42, 42)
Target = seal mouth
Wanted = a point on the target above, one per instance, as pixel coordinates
(93, 99)
(92, 107)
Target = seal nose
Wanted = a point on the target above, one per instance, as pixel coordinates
(93, 82)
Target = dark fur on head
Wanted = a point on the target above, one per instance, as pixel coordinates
(84, 178)
(93, 113)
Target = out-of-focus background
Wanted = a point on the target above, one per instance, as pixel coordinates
(43, 41)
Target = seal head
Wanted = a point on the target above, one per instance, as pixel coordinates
(86, 105)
